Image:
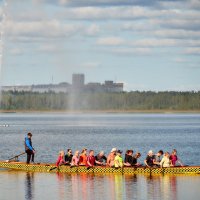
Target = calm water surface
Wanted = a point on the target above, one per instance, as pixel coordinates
(36, 186)
(141, 132)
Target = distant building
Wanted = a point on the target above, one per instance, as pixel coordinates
(78, 80)
(94, 87)
(110, 86)
(57, 88)
(19, 88)
(78, 84)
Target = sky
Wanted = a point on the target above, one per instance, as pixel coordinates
(146, 44)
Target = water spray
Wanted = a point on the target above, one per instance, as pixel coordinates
(2, 39)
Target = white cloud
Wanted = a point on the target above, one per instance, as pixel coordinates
(44, 29)
(105, 13)
(91, 65)
(184, 22)
(194, 4)
(177, 34)
(28, 15)
(147, 42)
(189, 29)
(109, 3)
(131, 51)
(180, 60)
(165, 43)
(154, 43)
(110, 41)
(16, 51)
(192, 51)
(92, 30)
(49, 48)
(137, 26)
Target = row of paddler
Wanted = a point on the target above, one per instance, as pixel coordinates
(115, 159)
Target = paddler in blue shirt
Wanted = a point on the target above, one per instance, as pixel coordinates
(29, 148)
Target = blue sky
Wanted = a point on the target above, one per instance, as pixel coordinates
(147, 44)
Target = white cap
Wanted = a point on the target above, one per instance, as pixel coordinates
(113, 150)
(101, 152)
(150, 152)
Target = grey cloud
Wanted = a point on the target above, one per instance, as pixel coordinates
(148, 45)
(132, 51)
(30, 15)
(170, 18)
(16, 51)
(92, 30)
(37, 31)
(85, 3)
(179, 22)
(177, 34)
(195, 4)
(192, 51)
(112, 13)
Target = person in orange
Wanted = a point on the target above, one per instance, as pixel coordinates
(111, 158)
(83, 157)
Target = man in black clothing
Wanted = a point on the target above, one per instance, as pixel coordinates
(29, 148)
(68, 157)
(150, 159)
(100, 159)
(128, 158)
(135, 157)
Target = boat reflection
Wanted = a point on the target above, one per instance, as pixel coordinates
(29, 186)
(95, 186)
(83, 186)
(173, 187)
(61, 185)
(159, 187)
(117, 186)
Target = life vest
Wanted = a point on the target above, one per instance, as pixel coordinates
(30, 142)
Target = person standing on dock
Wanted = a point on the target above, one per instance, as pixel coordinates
(30, 151)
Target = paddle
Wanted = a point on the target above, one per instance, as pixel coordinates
(52, 168)
(15, 158)
(56, 167)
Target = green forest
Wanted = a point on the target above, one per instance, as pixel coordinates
(124, 101)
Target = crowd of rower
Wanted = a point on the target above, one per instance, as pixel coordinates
(114, 159)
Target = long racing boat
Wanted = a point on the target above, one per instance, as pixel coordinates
(50, 168)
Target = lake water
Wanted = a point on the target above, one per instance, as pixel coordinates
(140, 132)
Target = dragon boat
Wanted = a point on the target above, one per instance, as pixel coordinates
(50, 168)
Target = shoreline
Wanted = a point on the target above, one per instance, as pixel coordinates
(104, 111)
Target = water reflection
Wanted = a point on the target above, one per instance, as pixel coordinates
(131, 188)
(61, 185)
(75, 186)
(83, 186)
(117, 187)
(112, 187)
(161, 187)
(173, 188)
(29, 186)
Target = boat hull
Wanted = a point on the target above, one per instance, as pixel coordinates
(101, 170)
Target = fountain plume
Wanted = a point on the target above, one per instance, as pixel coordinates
(2, 39)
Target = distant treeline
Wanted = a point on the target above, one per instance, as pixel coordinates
(101, 101)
